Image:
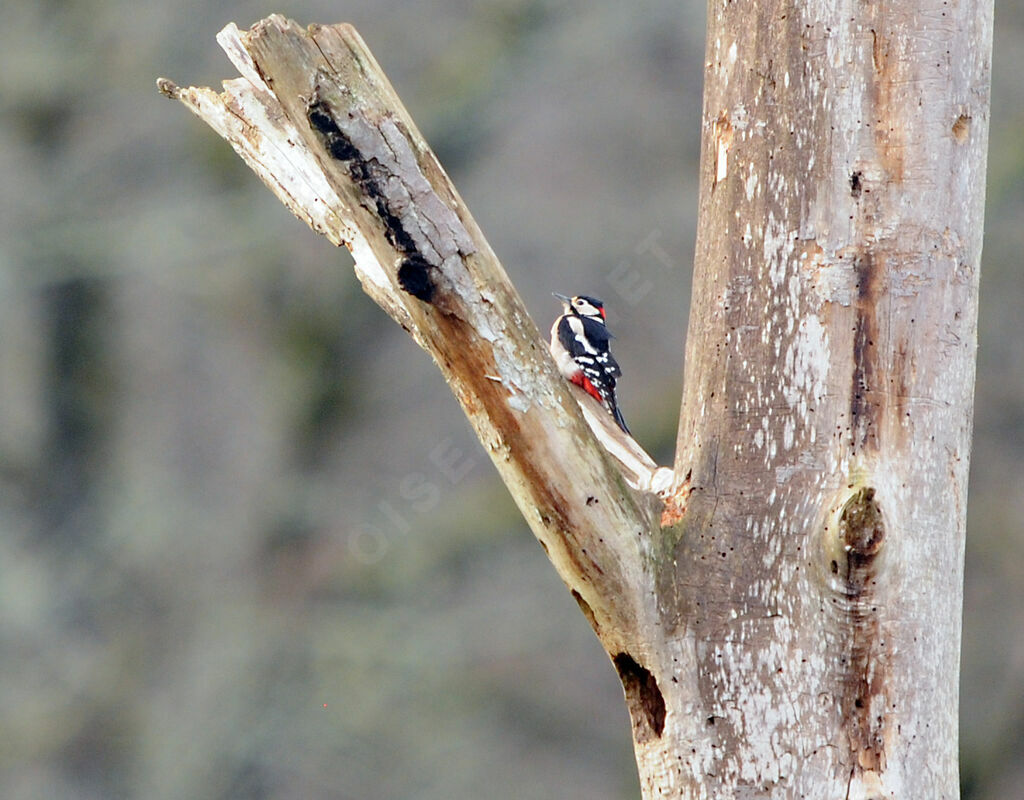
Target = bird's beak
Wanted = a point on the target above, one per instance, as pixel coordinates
(562, 297)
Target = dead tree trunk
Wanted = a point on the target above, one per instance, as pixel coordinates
(789, 626)
(817, 579)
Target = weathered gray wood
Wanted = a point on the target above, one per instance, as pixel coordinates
(814, 599)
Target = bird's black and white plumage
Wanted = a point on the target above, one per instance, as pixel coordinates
(580, 344)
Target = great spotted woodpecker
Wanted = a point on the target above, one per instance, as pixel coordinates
(580, 346)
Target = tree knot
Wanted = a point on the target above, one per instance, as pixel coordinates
(861, 528)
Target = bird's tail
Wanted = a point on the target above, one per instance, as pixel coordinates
(619, 419)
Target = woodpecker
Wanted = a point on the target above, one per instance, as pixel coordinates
(580, 346)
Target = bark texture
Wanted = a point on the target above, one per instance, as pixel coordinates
(790, 626)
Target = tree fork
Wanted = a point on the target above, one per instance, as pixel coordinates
(793, 629)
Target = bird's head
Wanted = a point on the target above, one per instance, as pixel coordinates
(582, 306)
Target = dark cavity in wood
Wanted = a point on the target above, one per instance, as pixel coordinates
(414, 272)
(646, 704)
(414, 278)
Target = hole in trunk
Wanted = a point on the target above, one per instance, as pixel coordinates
(646, 705)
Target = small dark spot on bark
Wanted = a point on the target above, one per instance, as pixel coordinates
(834, 566)
(591, 501)
(414, 278)
(646, 704)
(855, 187)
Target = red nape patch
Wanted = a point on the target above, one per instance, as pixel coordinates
(583, 382)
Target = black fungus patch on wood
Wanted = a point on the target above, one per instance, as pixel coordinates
(414, 271)
(644, 698)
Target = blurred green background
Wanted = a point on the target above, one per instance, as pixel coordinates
(249, 547)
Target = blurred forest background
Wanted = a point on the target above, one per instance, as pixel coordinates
(249, 547)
